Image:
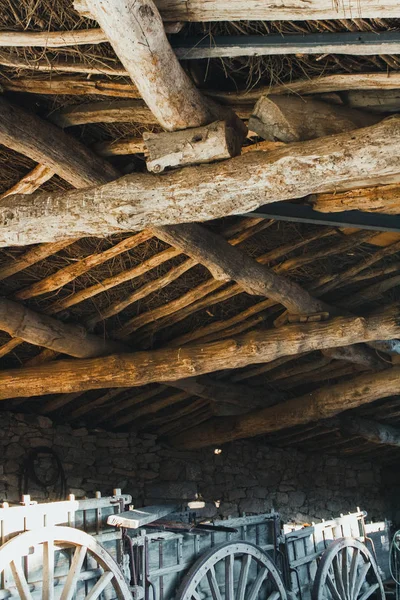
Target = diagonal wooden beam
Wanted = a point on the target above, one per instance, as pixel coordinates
(374, 432)
(320, 404)
(42, 330)
(130, 370)
(136, 32)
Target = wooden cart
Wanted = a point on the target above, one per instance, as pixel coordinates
(94, 548)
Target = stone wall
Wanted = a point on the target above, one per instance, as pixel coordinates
(246, 477)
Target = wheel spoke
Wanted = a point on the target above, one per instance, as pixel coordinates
(100, 586)
(370, 590)
(213, 583)
(332, 588)
(273, 596)
(20, 581)
(48, 570)
(196, 595)
(244, 573)
(229, 562)
(74, 573)
(338, 577)
(353, 571)
(258, 583)
(360, 579)
(345, 572)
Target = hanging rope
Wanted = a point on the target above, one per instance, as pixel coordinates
(30, 474)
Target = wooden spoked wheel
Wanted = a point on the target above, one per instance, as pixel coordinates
(347, 571)
(233, 571)
(60, 563)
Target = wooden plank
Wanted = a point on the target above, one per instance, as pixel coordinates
(51, 39)
(132, 519)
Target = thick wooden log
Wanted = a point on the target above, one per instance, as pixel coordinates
(46, 144)
(229, 263)
(197, 145)
(384, 199)
(375, 101)
(129, 370)
(41, 330)
(120, 111)
(370, 430)
(349, 160)
(51, 39)
(321, 404)
(71, 86)
(130, 145)
(292, 119)
(137, 35)
(256, 10)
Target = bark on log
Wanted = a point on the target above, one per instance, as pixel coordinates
(376, 101)
(209, 143)
(384, 199)
(41, 330)
(236, 186)
(51, 39)
(131, 145)
(136, 32)
(293, 119)
(71, 86)
(256, 10)
(370, 430)
(228, 263)
(45, 143)
(320, 404)
(129, 370)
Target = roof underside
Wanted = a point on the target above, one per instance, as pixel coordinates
(178, 307)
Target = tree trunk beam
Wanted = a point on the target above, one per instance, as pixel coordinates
(41, 330)
(130, 370)
(130, 145)
(228, 263)
(204, 192)
(51, 39)
(294, 119)
(46, 144)
(370, 430)
(384, 199)
(198, 145)
(375, 101)
(136, 32)
(71, 86)
(236, 10)
(320, 404)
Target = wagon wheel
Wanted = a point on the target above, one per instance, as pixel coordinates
(347, 571)
(46, 548)
(232, 571)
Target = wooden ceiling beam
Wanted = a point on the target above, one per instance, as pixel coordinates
(130, 370)
(205, 192)
(42, 330)
(236, 10)
(321, 404)
(370, 430)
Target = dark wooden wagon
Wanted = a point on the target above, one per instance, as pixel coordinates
(94, 548)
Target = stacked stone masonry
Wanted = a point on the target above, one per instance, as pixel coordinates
(247, 477)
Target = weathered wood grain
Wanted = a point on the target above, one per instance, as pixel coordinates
(130, 370)
(239, 185)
